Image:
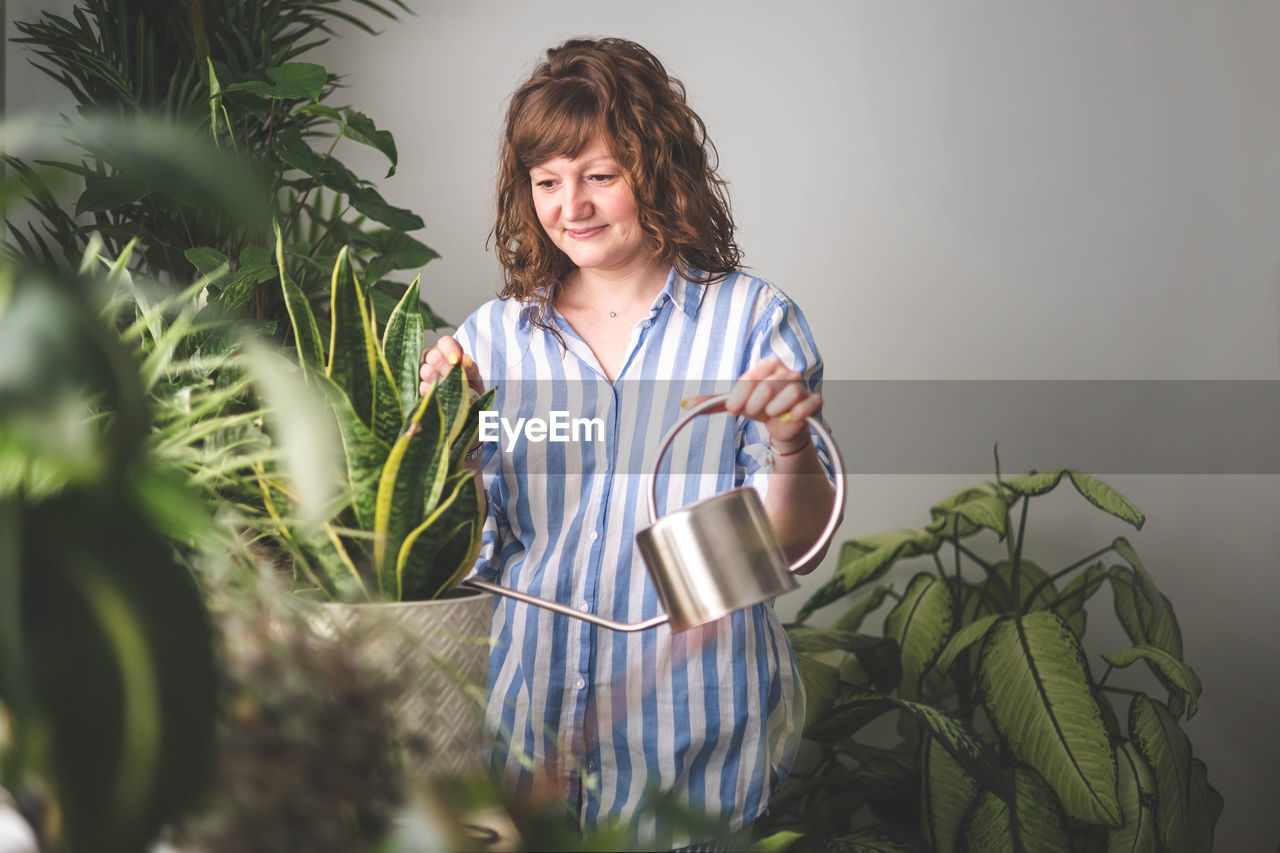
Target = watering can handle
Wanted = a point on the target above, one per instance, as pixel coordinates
(715, 404)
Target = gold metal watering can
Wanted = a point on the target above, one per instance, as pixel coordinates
(711, 558)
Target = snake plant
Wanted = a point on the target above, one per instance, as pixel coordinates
(1006, 739)
(411, 525)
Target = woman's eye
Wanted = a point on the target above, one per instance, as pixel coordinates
(545, 184)
(600, 179)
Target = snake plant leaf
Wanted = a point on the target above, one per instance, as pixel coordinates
(1170, 670)
(466, 437)
(1032, 822)
(1168, 753)
(440, 551)
(851, 619)
(1070, 603)
(1139, 833)
(1036, 689)
(969, 510)
(1205, 808)
(867, 559)
(883, 838)
(1030, 485)
(999, 586)
(402, 344)
(963, 639)
(1106, 498)
(946, 792)
(453, 393)
(364, 452)
(1160, 625)
(352, 346)
(415, 465)
(388, 416)
(306, 335)
(921, 623)
(320, 556)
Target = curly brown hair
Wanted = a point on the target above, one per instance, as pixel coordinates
(616, 88)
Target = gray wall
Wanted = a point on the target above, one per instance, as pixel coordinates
(988, 190)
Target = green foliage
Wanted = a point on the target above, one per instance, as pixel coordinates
(106, 652)
(412, 524)
(1008, 741)
(231, 71)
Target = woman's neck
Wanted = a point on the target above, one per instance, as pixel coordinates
(608, 291)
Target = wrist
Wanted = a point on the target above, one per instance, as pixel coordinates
(790, 448)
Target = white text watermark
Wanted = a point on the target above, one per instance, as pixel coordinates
(559, 428)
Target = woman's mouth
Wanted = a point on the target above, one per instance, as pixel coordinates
(583, 233)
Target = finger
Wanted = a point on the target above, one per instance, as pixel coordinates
(740, 393)
(785, 400)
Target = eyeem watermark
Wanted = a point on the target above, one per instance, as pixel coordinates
(560, 428)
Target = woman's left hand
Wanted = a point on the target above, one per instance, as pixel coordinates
(776, 396)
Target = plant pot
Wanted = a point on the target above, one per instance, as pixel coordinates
(437, 655)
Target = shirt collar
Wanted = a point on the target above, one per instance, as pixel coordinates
(687, 296)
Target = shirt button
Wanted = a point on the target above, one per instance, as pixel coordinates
(594, 536)
(646, 324)
(580, 683)
(591, 767)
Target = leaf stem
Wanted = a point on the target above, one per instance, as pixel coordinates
(1077, 564)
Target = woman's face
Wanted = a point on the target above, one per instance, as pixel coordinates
(586, 206)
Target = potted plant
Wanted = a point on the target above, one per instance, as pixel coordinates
(233, 70)
(409, 524)
(1006, 738)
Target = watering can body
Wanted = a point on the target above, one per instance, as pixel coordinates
(711, 558)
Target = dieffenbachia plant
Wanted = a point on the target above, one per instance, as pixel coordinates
(410, 528)
(1006, 739)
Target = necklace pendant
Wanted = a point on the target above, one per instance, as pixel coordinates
(613, 314)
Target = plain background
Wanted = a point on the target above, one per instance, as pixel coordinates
(983, 190)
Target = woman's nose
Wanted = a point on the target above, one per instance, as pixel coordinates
(577, 202)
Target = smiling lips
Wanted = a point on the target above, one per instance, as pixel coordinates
(584, 233)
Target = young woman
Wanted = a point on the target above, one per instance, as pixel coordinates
(622, 299)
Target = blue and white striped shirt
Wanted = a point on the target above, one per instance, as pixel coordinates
(711, 716)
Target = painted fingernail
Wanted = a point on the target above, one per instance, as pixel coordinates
(684, 404)
(453, 359)
(786, 418)
(467, 362)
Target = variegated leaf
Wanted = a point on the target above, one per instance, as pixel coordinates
(1036, 690)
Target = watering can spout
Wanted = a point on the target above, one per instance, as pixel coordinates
(711, 558)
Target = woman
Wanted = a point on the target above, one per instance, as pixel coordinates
(623, 298)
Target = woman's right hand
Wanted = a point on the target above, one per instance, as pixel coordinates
(439, 359)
